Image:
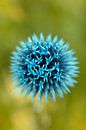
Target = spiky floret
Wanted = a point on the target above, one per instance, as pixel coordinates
(44, 66)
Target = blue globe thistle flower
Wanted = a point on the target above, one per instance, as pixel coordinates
(44, 67)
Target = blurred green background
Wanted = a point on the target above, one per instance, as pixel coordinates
(20, 19)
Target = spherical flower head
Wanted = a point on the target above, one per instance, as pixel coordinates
(44, 67)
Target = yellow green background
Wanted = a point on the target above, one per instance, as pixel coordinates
(20, 19)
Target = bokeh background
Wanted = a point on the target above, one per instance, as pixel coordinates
(20, 19)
